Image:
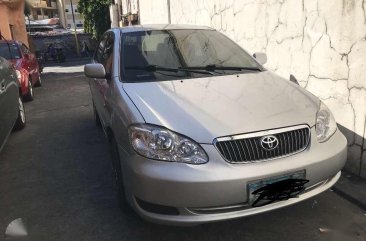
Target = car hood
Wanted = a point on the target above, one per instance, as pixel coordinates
(206, 108)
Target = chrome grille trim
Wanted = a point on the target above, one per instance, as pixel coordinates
(246, 148)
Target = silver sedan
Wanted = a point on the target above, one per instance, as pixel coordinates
(202, 132)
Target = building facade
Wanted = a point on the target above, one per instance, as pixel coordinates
(321, 42)
(68, 8)
(43, 9)
(12, 25)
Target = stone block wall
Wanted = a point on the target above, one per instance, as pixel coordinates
(321, 42)
(66, 42)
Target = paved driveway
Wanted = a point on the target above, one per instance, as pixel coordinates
(56, 175)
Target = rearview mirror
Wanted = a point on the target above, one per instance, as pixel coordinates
(260, 57)
(96, 71)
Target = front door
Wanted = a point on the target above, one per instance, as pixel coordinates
(8, 99)
(101, 87)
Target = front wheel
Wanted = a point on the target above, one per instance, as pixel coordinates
(29, 96)
(21, 121)
(118, 178)
(39, 82)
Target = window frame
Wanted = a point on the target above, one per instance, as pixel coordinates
(103, 59)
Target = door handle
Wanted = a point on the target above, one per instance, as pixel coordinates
(2, 86)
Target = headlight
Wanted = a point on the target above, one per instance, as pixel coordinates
(162, 144)
(19, 75)
(325, 123)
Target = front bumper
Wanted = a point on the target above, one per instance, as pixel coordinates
(206, 193)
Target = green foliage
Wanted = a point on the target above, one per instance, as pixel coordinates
(96, 16)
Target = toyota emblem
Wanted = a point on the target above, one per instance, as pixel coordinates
(269, 143)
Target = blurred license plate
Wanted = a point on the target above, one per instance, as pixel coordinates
(253, 186)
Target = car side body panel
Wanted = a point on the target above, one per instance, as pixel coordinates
(8, 99)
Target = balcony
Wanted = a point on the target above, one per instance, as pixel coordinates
(44, 4)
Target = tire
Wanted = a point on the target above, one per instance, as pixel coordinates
(96, 117)
(29, 96)
(118, 178)
(21, 120)
(39, 82)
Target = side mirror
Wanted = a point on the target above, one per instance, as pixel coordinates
(96, 71)
(260, 57)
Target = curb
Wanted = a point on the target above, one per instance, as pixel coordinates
(68, 62)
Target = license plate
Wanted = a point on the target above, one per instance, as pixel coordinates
(256, 185)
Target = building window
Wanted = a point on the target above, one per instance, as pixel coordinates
(66, 10)
(11, 31)
(76, 10)
(39, 12)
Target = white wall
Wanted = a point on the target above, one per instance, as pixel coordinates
(153, 11)
(321, 42)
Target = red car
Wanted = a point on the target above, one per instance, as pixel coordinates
(26, 63)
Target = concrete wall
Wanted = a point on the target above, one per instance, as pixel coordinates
(66, 17)
(12, 13)
(153, 11)
(321, 42)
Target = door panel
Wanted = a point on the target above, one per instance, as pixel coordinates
(8, 99)
(95, 84)
(104, 84)
(29, 63)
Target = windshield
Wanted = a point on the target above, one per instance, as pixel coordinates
(169, 50)
(12, 54)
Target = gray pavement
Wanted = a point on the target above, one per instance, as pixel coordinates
(56, 175)
(352, 188)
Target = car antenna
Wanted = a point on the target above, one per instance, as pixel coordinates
(7, 43)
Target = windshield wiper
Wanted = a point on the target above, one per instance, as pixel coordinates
(213, 67)
(155, 68)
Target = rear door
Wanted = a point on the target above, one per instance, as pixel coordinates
(29, 63)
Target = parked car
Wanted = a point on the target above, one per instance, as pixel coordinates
(25, 62)
(202, 132)
(11, 106)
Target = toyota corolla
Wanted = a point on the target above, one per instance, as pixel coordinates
(202, 132)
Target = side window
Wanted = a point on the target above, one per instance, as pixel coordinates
(108, 54)
(100, 50)
(24, 49)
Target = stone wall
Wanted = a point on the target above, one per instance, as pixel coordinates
(66, 42)
(321, 42)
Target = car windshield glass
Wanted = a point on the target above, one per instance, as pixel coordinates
(182, 50)
(12, 54)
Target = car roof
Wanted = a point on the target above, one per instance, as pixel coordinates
(148, 27)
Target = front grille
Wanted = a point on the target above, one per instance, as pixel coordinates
(248, 147)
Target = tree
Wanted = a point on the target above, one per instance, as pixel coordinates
(27, 9)
(96, 16)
